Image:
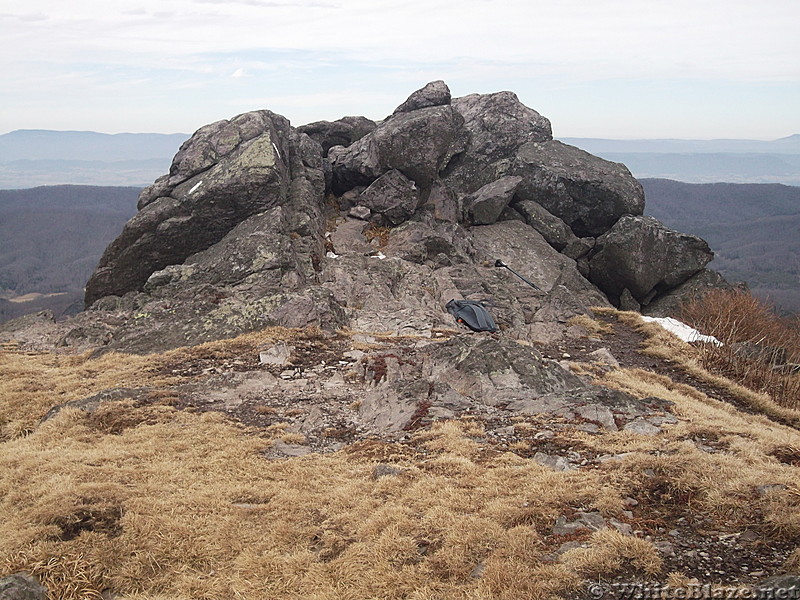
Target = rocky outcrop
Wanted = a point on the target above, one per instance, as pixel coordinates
(642, 256)
(224, 174)
(256, 225)
(485, 375)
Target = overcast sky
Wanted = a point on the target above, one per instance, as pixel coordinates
(596, 68)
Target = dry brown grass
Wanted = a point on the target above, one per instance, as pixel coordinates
(756, 342)
(32, 384)
(724, 485)
(662, 344)
(378, 235)
(153, 503)
(593, 326)
(189, 508)
(792, 565)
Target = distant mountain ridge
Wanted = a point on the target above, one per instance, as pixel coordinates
(45, 144)
(703, 161)
(785, 145)
(33, 157)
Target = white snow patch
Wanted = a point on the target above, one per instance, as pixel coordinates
(682, 330)
(195, 186)
(276, 150)
(379, 255)
(330, 254)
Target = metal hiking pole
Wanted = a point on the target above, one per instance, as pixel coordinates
(500, 263)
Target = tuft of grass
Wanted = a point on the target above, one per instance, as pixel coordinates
(792, 564)
(74, 575)
(378, 235)
(593, 326)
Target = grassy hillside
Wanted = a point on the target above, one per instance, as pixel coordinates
(51, 239)
(752, 228)
(159, 497)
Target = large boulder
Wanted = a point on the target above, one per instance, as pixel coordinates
(506, 138)
(697, 286)
(419, 144)
(527, 252)
(485, 206)
(586, 192)
(221, 176)
(553, 229)
(499, 123)
(641, 255)
(392, 195)
(496, 125)
(436, 93)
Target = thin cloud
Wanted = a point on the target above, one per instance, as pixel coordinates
(268, 4)
(25, 18)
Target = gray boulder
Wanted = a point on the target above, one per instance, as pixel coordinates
(208, 146)
(436, 93)
(21, 586)
(586, 192)
(342, 132)
(553, 229)
(419, 144)
(216, 181)
(493, 370)
(527, 252)
(496, 124)
(437, 244)
(392, 195)
(645, 257)
(485, 206)
(669, 304)
(499, 123)
(506, 138)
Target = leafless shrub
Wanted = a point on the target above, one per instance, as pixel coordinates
(760, 349)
